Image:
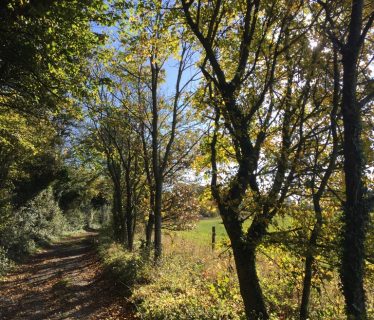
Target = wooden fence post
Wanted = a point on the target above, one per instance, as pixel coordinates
(213, 237)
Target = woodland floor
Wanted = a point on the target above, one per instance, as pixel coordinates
(65, 281)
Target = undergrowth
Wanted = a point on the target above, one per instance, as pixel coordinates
(36, 224)
(178, 287)
(194, 282)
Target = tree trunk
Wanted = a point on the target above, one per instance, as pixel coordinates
(355, 213)
(309, 260)
(243, 246)
(307, 282)
(158, 220)
(244, 251)
(130, 232)
(149, 229)
(310, 253)
(250, 289)
(156, 165)
(116, 223)
(119, 221)
(129, 210)
(151, 221)
(129, 223)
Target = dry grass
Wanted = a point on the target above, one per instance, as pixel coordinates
(195, 282)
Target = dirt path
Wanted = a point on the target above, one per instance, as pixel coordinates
(64, 282)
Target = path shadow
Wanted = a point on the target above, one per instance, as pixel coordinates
(65, 282)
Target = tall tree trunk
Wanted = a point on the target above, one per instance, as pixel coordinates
(119, 219)
(150, 222)
(130, 232)
(129, 208)
(310, 253)
(116, 218)
(355, 213)
(120, 223)
(149, 229)
(243, 246)
(158, 220)
(156, 165)
(250, 289)
(309, 260)
(244, 250)
(129, 222)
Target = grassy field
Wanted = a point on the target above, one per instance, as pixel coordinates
(203, 231)
(202, 234)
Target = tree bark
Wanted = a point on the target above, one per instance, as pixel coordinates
(150, 222)
(250, 289)
(130, 232)
(120, 221)
(309, 260)
(129, 207)
(355, 213)
(158, 220)
(157, 173)
(244, 250)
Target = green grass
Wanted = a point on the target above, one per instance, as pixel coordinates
(202, 234)
(203, 231)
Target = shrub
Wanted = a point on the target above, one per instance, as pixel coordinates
(5, 263)
(75, 219)
(35, 223)
(182, 287)
(129, 268)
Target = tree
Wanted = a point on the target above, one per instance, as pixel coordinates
(157, 38)
(252, 92)
(356, 214)
(42, 72)
(39, 63)
(115, 135)
(181, 207)
(320, 178)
